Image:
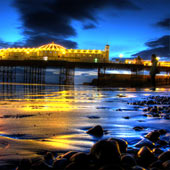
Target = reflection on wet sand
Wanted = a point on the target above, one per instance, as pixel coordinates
(35, 117)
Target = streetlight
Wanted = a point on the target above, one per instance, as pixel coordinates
(121, 55)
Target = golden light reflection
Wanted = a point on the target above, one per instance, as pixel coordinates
(68, 142)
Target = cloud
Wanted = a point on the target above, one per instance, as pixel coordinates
(38, 40)
(89, 26)
(164, 23)
(53, 18)
(4, 44)
(160, 47)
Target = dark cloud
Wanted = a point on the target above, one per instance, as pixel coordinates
(89, 26)
(4, 44)
(160, 47)
(164, 23)
(53, 18)
(38, 40)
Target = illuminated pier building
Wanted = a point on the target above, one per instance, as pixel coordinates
(54, 51)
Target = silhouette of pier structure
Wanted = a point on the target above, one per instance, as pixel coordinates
(34, 70)
(31, 79)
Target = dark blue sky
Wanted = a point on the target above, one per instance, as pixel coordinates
(130, 27)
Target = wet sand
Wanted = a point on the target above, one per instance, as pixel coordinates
(35, 120)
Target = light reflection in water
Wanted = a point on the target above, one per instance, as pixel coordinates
(56, 115)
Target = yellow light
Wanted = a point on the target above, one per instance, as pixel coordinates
(121, 55)
(27, 52)
(157, 58)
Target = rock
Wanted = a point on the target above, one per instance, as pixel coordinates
(154, 168)
(126, 117)
(76, 166)
(166, 165)
(68, 155)
(157, 151)
(165, 156)
(122, 144)
(49, 158)
(162, 131)
(138, 128)
(137, 167)
(106, 152)
(156, 164)
(145, 156)
(60, 163)
(96, 131)
(161, 143)
(25, 164)
(153, 136)
(145, 142)
(93, 117)
(128, 161)
(110, 167)
(79, 157)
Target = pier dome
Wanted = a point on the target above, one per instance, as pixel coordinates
(52, 46)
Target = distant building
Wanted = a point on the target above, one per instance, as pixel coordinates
(54, 51)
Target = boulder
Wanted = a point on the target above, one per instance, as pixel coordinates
(127, 161)
(80, 157)
(157, 151)
(165, 156)
(110, 167)
(122, 144)
(96, 131)
(145, 156)
(137, 167)
(24, 164)
(60, 163)
(162, 131)
(156, 164)
(68, 155)
(166, 165)
(138, 128)
(145, 142)
(106, 152)
(153, 136)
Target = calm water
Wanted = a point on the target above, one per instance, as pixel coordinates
(36, 117)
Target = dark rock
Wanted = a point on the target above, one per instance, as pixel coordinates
(122, 144)
(153, 136)
(106, 152)
(128, 161)
(96, 131)
(156, 164)
(60, 163)
(25, 164)
(166, 165)
(110, 167)
(49, 158)
(68, 154)
(79, 157)
(138, 128)
(162, 131)
(93, 117)
(157, 151)
(126, 117)
(145, 156)
(145, 142)
(161, 143)
(164, 156)
(154, 168)
(76, 166)
(137, 167)
(41, 165)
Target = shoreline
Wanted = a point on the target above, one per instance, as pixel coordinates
(127, 80)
